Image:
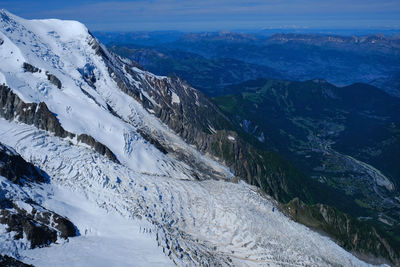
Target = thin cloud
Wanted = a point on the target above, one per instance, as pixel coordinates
(163, 14)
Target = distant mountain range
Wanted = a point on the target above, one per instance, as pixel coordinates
(341, 60)
(210, 75)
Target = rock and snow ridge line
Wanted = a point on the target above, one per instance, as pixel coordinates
(194, 222)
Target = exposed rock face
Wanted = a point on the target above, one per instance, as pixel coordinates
(153, 141)
(39, 235)
(12, 107)
(40, 226)
(98, 147)
(16, 169)
(51, 77)
(362, 239)
(11, 262)
(21, 214)
(28, 67)
(54, 80)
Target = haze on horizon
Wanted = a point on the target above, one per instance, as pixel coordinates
(210, 15)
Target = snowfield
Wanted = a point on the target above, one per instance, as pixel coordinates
(149, 210)
(107, 238)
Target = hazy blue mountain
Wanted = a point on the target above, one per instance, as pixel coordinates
(341, 60)
(210, 75)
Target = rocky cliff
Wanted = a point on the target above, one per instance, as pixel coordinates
(12, 107)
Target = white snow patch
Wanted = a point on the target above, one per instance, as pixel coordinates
(24, 206)
(175, 99)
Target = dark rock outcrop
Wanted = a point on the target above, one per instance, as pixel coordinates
(39, 235)
(98, 147)
(51, 77)
(12, 107)
(54, 80)
(30, 68)
(16, 169)
(39, 225)
(65, 227)
(11, 262)
(153, 141)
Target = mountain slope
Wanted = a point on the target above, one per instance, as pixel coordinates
(108, 134)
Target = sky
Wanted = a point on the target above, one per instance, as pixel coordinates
(206, 15)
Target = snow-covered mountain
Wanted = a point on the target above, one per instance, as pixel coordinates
(103, 133)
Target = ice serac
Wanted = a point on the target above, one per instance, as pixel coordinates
(161, 201)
